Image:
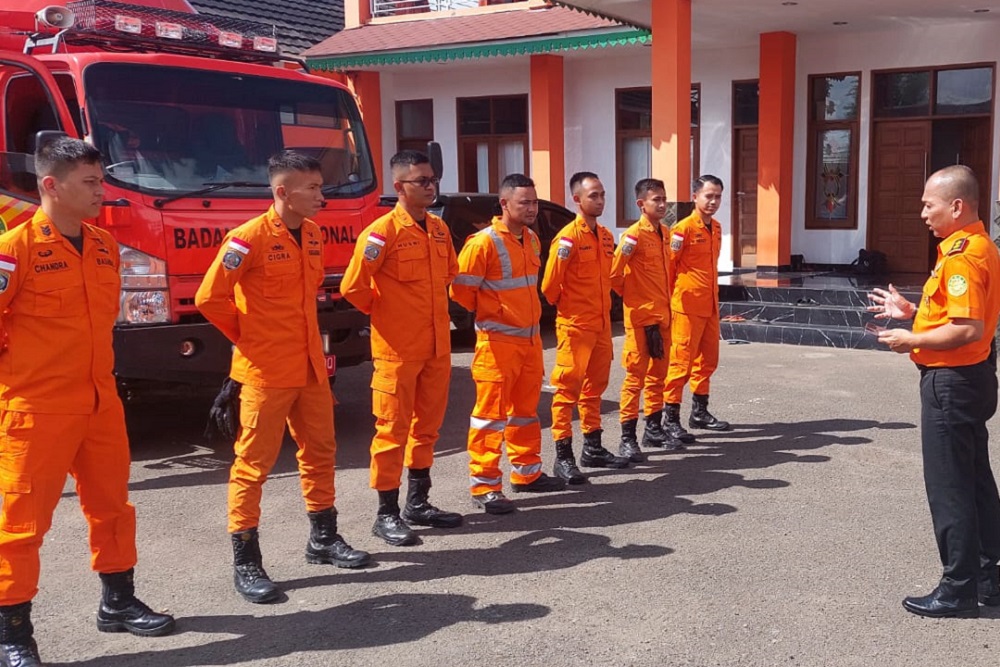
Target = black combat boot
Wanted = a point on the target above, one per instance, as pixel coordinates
(675, 434)
(565, 465)
(17, 645)
(121, 611)
(701, 417)
(326, 546)
(542, 484)
(418, 510)
(629, 447)
(653, 434)
(388, 524)
(249, 577)
(989, 586)
(595, 456)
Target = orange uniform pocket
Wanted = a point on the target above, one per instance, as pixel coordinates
(385, 404)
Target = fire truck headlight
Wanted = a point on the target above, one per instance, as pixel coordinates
(144, 307)
(141, 271)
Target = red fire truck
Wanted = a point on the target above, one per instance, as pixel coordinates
(186, 109)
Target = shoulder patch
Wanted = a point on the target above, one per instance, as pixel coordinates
(629, 243)
(8, 263)
(232, 260)
(676, 241)
(239, 245)
(373, 246)
(565, 247)
(4, 281)
(957, 285)
(959, 246)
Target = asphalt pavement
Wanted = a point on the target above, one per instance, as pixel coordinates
(790, 540)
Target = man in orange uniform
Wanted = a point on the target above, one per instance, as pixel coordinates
(953, 345)
(400, 272)
(498, 281)
(640, 273)
(695, 244)
(577, 282)
(261, 293)
(59, 406)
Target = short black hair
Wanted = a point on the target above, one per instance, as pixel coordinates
(56, 157)
(579, 177)
(514, 181)
(646, 184)
(285, 161)
(701, 181)
(408, 158)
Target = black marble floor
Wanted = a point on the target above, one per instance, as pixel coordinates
(825, 309)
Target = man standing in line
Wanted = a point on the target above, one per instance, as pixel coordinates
(59, 408)
(498, 281)
(695, 244)
(952, 343)
(261, 293)
(577, 282)
(399, 274)
(640, 273)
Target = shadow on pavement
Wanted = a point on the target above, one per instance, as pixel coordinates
(379, 621)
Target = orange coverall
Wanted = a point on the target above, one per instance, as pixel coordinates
(399, 275)
(694, 333)
(498, 281)
(260, 291)
(577, 282)
(641, 273)
(59, 408)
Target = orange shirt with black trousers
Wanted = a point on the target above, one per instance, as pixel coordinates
(641, 272)
(577, 281)
(694, 333)
(498, 281)
(958, 395)
(60, 412)
(260, 291)
(399, 275)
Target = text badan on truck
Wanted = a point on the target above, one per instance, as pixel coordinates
(186, 109)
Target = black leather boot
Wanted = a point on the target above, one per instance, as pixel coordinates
(326, 546)
(17, 643)
(249, 577)
(943, 602)
(419, 511)
(675, 434)
(565, 465)
(595, 456)
(629, 446)
(542, 484)
(388, 524)
(121, 611)
(989, 586)
(653, 434)
(701, 417)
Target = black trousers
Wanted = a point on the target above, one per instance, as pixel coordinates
(961, 491)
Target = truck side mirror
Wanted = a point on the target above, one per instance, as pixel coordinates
(43, 137)
(437, 162)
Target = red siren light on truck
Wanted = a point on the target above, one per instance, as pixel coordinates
(116, 25)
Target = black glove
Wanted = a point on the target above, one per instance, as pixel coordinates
(224, 417)
(654, 341)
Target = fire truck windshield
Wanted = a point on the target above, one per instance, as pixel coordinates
(168, 130)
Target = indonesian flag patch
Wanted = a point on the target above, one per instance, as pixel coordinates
(629, 243)
(565, 247)
(235, 251)
(373, 246)
(676, 241)
(8, 263)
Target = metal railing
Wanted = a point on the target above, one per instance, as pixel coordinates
(401, 7)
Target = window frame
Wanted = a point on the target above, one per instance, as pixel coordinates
(412, 142)
(492, 139)
(815, 129)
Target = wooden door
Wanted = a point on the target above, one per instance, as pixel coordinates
(975, 154)
(899, 169)
(745, 197)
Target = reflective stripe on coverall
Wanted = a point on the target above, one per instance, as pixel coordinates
(59, 408)
(399, 275)
(498, 280)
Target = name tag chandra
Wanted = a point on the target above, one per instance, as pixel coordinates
(48, 267)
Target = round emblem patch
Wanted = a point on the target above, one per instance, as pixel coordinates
(957, 285)
(372, 251)
(563, 252)
(4, 281)
(232, 259)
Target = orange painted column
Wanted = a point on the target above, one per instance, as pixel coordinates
(548, 149)
(774, 157)
(368, 89)
(671, 83)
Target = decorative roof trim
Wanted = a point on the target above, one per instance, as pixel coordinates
(597, 40)
(598, 14)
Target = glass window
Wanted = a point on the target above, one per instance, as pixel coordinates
(414, 124)
(835, 97)
(964, 91)
(510, 115)
(902, 94)
(833, 174)
(746, 105)
(474, 115)
(635, 109)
